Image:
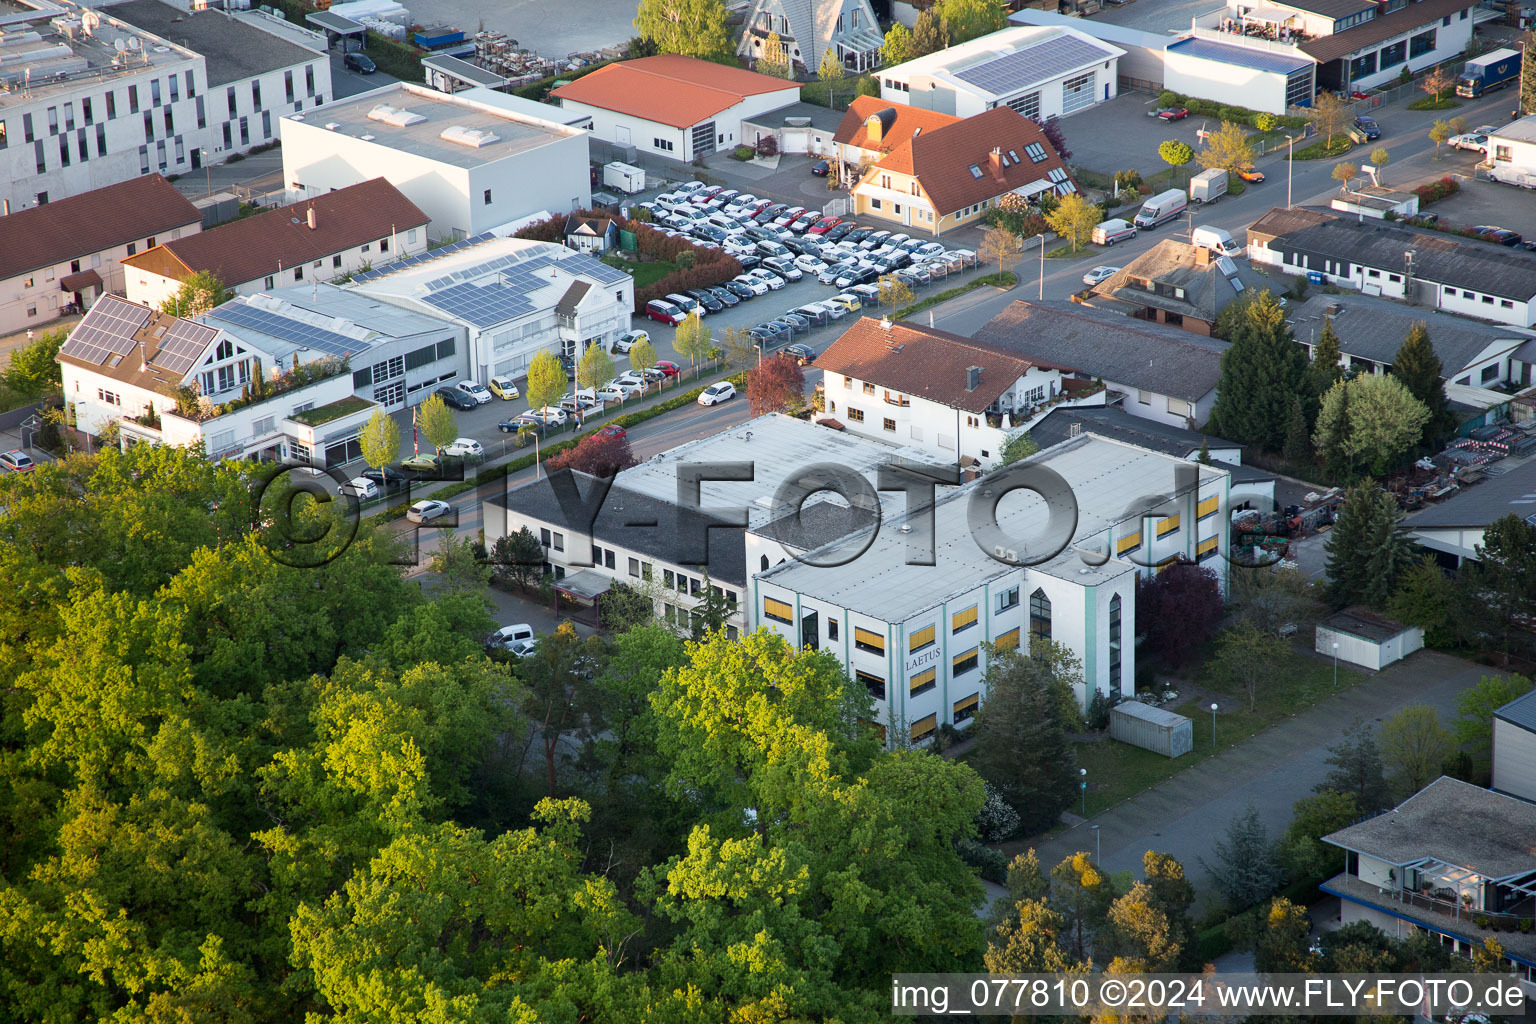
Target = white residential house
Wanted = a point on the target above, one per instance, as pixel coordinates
(513, 297)
(809, 28)
(470, 161)
(1510, 155)
(105, 94)
(330, 236)
(1039, 71)
(124, 365)
(70, 251)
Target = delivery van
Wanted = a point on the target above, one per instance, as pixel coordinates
(1218, 240)
(1161, 208)
(1109, 232)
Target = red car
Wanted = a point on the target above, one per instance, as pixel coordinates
(665, 312)
(668, 367)
(611, 430)
(1250, 175)
(824, 225)
(1173, 113)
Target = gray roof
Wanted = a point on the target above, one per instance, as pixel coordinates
(815, 525)
(1327, 8)
(572, 298)
(336, 23)
(1207, 290)
(1112, 421)
(1477, 507)
(1451, 821)
(232, 49)
(1363, 623)
(823, 118)
(463, 70)
(1523, 130)
(1033, 64)
(1374, 329)
(363, 309)
(1135, 353)
(1460, 262)
(1521, 711)
(1240, 56)
(664, 530)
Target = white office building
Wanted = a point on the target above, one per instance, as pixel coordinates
(92, 97)
(513, 298)
(470, 161)
(1041, 72)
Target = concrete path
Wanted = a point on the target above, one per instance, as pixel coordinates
(1274, 769)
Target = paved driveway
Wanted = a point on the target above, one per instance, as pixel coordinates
(1273, 769)
(1118, 135)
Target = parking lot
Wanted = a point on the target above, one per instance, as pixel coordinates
(1484, 202)
(1118, 135)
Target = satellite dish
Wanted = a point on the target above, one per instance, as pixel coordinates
(133, 42)
(119, 45)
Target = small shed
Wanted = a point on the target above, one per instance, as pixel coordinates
(1142, 725)
(1366, 639)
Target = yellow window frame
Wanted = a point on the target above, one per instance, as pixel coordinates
(920, 639)
(1168, 525)
(779, 611)
(961, 619)
(1007, 641)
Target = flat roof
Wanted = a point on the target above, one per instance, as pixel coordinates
(1101, 473)
(1454, 822)
(1476, 507)
(59, 62)
(232, 49)
(515, 133)
(1240, 56)
(1011, 58)
(362, 309)
(1521, 711)
(336, 23)
(1523, 130)
(1363, 623)
(463, 70)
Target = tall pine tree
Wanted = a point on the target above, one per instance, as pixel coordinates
(1260, 373)
(1365, 552)
(1331, 435)
(1324, 371)
(1298, 442)
(1417, 366)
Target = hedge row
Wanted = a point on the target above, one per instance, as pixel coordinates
(1240, 115)
(1437, 190)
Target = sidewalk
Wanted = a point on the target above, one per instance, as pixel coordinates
(1186, 814)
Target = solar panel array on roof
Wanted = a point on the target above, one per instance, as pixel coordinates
(106, 331)
(297, 331)
(424, 257)
(481, 305)
(182, 344)
(1031, 65)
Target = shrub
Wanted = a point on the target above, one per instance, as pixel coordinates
(1097, 718)
(997, 820)
(743, 153)
(1128, 179)
(768, 145)
(992, 864)
(1437, 190)
(1167, 98)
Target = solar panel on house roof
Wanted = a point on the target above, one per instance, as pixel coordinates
(297, 331)
(106, 331)
(182, 344)
(480, 305)
(1032, 65)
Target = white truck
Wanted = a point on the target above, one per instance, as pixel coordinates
(1208, 186)
(1161, 208)
(624, 177)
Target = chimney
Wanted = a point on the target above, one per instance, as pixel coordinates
(143, 360)
(995, 158)
(885, 324)
(310, 216)
(1202, 256)
(972, 378)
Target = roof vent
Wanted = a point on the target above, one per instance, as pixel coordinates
(394, 115)
(472, 137)
(905, 527)
(366, 138)
(972, 378)
(331, 126)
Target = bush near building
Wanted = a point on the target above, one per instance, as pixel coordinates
(1242, 115)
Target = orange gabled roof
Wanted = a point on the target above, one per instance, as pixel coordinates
(670, 90)
(905, 121)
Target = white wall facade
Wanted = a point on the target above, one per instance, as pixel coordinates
(677, 143)
(1514, 760)
(1231, 84)
(1357, 650)
(1176, 412)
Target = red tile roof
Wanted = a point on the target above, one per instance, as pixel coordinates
(942, 159)
(922, 362)
(904, 121)
(58, 232)
(671, 90)
(253, 247)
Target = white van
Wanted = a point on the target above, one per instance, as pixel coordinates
(1218, 240)
(361, 488)
(1111, 231)
(1161, 208)
(724, 223)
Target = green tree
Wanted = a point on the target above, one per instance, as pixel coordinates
(1026, 879)
(1438, 81)
(1298, 445)
(1413, 746)
(546, 380)
(199, 293)
(1474, 709)
(1426, 597)
(894, 293)
(438, 422)
(928, 34)
(1527, 75)
(1273, 599)
(1373, 420)
(559, 692)
(1379, 159)
(831, 72)
(1019, 446)
(897, 48)
(1246, 870)
(1439, 132)
(1419, 368)
(1000, 246)
(691, 28)
(1141, 933)
(518, 558)
(1283, 946)
(594, 368)
(458, 564)
(1331, 115)
(380, 440)
(642, 356)
(739, 349)
(1357, 769)
(1084, 894)
(34, 369)
(1266, 122)
(1074, 219)
(1021, 738)
(1174, 896)
(1028, 940)
(625, 607)
(964, 20)
(1345, 172)
(1249, 658)
(1324, 371)
(1303, 855)
(693, 338)
(1227, 148)
(1366, 554)
(1175, 153)
(1260, 372)
(1505, 576)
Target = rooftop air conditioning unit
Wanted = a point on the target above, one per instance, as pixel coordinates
(394, 115)
(472, 137)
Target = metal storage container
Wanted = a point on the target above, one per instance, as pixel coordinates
(1154, 729)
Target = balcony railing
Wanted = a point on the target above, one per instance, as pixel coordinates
(1454, 908)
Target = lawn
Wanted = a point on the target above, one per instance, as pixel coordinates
(1340, 145)
(1117, 771)
(1067, 252)
(644, 273)
(1430, 103)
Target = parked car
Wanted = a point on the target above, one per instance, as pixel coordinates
(802, 353)
(1503, 236)
(767, 277)
(754, 284)
(523, 648)
(724, 295)
(426, 511)
(795, 320)
(716, 393)
(464, 447)
(708, 301)
(768, 213)
(474, 389)
(851, 303)
(772, 249)
(686, 303)
(628, 340)
(785, 268)
(1250, 175)
(1368, 128)
(822, 226)
(582, 400)
(361, 488)
(610, 430)
(359, 62)
(787, 217)
(506, 636)
(387, 478)
(1469, 140)
(839, 231)
(874, 240)
(16, 461)
(1169, 113)
(1098, 274)
(668, 367)
(821, 168)
(665, 312)
(739, 289)
(504, 388)
(810, 264)
(548, 416)
(630, 386)
(813, 312)
(422, 463)
(801, 224)
(458, 399)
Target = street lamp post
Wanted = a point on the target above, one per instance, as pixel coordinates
(1097, 847)
(1041, 236)
(1083, 785)
(1213, 725)
(1335, 666)
(1290, 153)
(209, 168)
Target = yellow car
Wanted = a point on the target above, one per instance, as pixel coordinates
(848, 302)
(504, 388)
